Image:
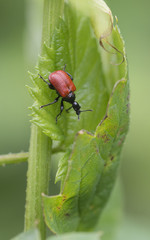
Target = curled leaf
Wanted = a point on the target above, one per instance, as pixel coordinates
(91, 170)
(99, 13)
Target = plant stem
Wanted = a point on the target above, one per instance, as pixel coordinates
(13, 158)
(38, 179)
(40, 145)
(53, 9)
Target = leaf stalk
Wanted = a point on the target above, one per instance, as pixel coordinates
(40, 145)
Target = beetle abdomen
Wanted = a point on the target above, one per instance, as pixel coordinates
(62, 83)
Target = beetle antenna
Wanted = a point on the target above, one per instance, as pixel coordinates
(64, 67)
(84, 111)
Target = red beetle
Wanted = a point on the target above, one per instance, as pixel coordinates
(62, 82)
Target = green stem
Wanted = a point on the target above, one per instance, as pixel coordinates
(13, 158)
(53, 9)
(37, 179)
(40, 145)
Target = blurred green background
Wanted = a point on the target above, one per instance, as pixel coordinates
(20, 34)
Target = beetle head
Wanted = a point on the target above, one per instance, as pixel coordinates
(77, 107)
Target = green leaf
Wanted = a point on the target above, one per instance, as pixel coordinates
(30, 235)
(88, 169)
(79, 236)
(92, 168)
(73, 44)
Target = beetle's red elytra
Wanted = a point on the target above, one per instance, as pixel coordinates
(62, 82)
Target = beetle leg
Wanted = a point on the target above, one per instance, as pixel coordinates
(44, 80)
(48, 83)
(67, 72)
(56, 100)
(67, 110)
(51, 86)
(64, 67)
(61, 109)
(70, 76)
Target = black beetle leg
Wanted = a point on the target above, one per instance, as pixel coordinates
(56, 100)
(64, 67)
(67, 72)
(44, 80)
(70, 76)
(48, 83)
(67, 110)
(61, 109)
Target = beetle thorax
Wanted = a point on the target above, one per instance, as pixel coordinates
(70, 98)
